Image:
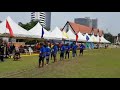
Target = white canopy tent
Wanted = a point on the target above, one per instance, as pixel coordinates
(81, 37)
(94, 38)
(103, 40)
(71, 35)
(65, 35)
(90, 40)
(57, 34)
(16, 29)
(36, 32)
(98, 39)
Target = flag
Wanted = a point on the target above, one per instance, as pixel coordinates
(42, 32)
(87, 38)
(9, 28)
(65, 34)
(76, 37)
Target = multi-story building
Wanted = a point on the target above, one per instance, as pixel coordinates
(87, 22)
(95, 23)
(43, 17)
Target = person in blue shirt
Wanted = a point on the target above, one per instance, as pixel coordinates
(54, 51)
(67, 49)
(62, 51)
(74, 48)
(48, 51)
(42, 54)
(82, 47)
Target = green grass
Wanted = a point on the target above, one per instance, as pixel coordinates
(102, 63)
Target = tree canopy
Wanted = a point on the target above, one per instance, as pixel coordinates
(29, 25)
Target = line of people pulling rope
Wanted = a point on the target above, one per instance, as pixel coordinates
(46, 50)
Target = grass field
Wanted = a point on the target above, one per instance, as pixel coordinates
(102, 63)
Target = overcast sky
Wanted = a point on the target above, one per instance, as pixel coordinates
(106, 20)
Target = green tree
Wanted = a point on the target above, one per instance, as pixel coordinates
(118, 34)
(109, 37)
(29, 25)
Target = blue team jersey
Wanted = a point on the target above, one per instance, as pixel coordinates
(42, 51)
(62, 49)
(74, 47)
(55, 49)
(47, 51)
(82, 46)
(67, 48)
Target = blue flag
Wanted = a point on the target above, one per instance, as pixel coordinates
(87, 38)
(42, 32)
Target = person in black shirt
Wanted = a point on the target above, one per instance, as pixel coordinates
(2, 52)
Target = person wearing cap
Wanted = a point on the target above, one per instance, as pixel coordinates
(41, 55)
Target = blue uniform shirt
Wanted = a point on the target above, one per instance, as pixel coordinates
(42, 51)
(62, 49)
(47, 51)
(67, 48)
(55, 49)
(74, 47)
(82, 46)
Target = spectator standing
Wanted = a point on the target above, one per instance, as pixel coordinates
(2, 52)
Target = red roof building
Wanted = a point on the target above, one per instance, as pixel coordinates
(81, 28)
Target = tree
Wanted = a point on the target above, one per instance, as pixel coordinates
(20, 23)
(109, 37)
(118, 34)
(29, 25)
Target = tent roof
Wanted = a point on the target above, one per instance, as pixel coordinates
(36, 31)
(103, 40)
(94, 38)
(18, 31)
(71, 35)
(81, 37)
(56, 34)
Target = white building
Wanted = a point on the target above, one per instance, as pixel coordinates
(43, 17)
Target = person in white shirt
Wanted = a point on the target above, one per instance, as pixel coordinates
(30, 50)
